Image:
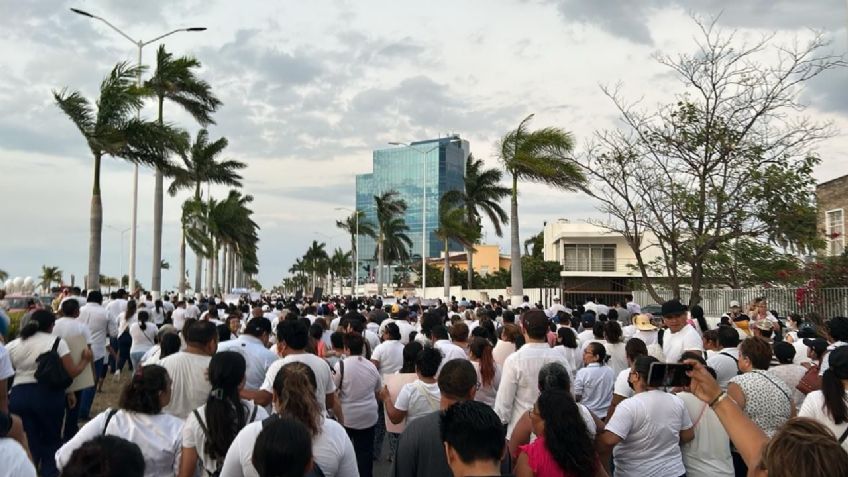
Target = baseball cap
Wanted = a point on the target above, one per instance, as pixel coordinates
(764, 325)
(734, 304)
(818, 344)
(673, 308)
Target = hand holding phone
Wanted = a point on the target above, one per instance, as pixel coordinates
(669, 375)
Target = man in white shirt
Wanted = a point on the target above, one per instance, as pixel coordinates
(588, 322)
(101, 328)
(192, 310)
(388, 355)
(188, 369)
(253, 345)
(66, 327)
(556, 308)
(178, 316)
(678, 337)
(519, 387)
(441, 341)
(292, 338)
(725, 362)
(167, 304)
(633, 307)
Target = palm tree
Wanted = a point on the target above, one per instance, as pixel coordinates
(112, 129)
(3, 275)
(349, 225)
(175, 80)
(453, 225)
(482, 195)
(48, 276)
(536, 156)
(202, 167)
(298, 268)
(194, 212)
(389, 208)
(232, 230)
(315, 258)
(339, 262)
(397, 243)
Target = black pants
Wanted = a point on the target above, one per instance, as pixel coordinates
(363, 446)
(41, 409)
(124, 345)
(72, 418)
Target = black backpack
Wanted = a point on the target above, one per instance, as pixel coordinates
(50, 370)
(316, 470)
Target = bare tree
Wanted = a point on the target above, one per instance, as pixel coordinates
(731, 157)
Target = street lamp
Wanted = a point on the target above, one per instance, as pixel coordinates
(424, 206)
(355, 252)
(122, 232)
(140, 44)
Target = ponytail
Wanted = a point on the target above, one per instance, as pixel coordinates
(225, 413)
(833, 392)
(142, 320)
(40, 320)
(481, 349)
(158, 306)
(131, 309)
(294, 390)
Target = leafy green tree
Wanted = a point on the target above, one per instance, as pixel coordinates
(747, 263)
(315, 258)
(112, 129)
(340, 262)
(481, 194)
(365, 228)
(542, 156)
(392, 240)
(175, 80)
(453, 226)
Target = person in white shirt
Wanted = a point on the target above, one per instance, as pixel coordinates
(506, 342)
(178, 316)
(101, 328)
(488, 372)
(188, 369)
(358, 382)
(593, 383)
(679, 337)
(292, 339)
(167, 304)
(632, 306)
(41, 407)
(644, 330)
(192, 310)
(646, 430)
(283, 447)
(253, 345)
(388, 355)
(837, 328)
(67, 327)
(621, 389)
(15, 459)
(588, 323)
(788, 372)
(567, 343)
(420, 397)
(555, 308)
(294, 389)
(143, 334)
(614, 344)
(519, 388)
(725, 363)
(210, 429)
(125, 319)
(829, 406)
(138, 419)
(441, 341)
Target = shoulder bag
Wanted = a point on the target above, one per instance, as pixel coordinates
(51, 371)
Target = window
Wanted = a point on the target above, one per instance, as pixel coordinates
(835, 230)
(589, 257)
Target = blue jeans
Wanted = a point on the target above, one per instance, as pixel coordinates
(135, 358)
(41, 409)
(72, 418)
(87, 396)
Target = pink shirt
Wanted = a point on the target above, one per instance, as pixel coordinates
(540, 459)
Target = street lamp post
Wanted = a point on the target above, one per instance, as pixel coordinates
(140, 44)
(121, 261)
(355, 252)
(423, 206)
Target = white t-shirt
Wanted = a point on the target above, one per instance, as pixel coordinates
(23, 354)
(358, 391)
(332, 451)
(649, 425)
(195, 438)
(190, 388)
(101, 327)
(573, 355)
(142, 340)
(617, 356)
(708, 455)
(178, 317)
(256, 355)
(6, 369)
(675, 344)
(594, 385)
(418, 399)
(726, 367)
(15, 461)
(157, 435)
(192, 311)
(813, 408)
(390, 356)
(323, 375)
(622, 385)
(67, 327)
(449, 351)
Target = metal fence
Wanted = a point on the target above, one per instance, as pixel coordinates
(827, 302)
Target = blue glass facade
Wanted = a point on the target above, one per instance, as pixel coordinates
(402, 168)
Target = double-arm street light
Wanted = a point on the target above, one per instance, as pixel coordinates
(424, 153)
(355, 252)
(139, 44)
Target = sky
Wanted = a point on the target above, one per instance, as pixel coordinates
(309, 89)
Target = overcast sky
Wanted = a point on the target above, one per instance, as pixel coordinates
(310, 88)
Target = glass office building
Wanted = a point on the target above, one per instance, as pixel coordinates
(404, 169)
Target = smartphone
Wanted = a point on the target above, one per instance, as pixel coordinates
(668, 375)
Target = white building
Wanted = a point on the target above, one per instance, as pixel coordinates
(593, 258)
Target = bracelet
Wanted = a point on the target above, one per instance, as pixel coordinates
(721, 397)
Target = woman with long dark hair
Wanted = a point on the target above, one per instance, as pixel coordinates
(41, 406)
(139, 419)
(143, 334)
(158, 313)
(125, 341)
(211, 428)
(567, 342)
(829, 405)
(698, 314)
(294, 397)
(564, 446)
(488, 372)
(614, 344)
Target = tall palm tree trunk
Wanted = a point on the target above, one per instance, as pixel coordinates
(515, 246)
(158, 199)
(95, 230)
(182, 264)
(380, 266)
(470, 272)
(198, 271)
(352, 263)
(447, 276)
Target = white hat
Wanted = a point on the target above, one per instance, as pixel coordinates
(734, 304)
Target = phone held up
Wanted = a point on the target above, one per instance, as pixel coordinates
(668, 375)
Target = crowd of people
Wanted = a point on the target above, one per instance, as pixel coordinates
(278, 386)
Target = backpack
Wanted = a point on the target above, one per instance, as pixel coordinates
(50, 371)
(220, 461)
(316, 470)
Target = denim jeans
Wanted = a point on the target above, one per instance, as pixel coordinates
(72, 418)
(87, 397)
(41, 409)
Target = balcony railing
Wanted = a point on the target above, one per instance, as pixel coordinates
(623, 265)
